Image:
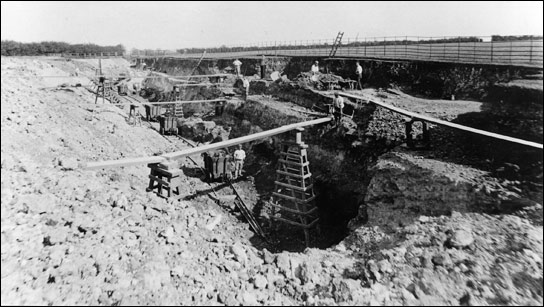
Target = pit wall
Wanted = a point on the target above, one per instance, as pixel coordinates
(404, 187)
(181, 67)
(433, 80)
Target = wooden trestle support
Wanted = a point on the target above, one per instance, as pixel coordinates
(167, 177)
(104, 88)
(294, 194)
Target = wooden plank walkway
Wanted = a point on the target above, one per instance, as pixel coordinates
(443, 122)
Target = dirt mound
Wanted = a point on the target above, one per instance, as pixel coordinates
(202, 131)
(318, 81)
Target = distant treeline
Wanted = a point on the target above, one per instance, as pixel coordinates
(376, 42)
(149, 51)
(500, 38)
(10, 47)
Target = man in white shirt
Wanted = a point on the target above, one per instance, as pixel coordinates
(315, 68)
(245, 83)
(338, 107)
(237, 65)
(239, 156)
(359, 73)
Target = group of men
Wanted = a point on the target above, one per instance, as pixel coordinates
(358, 72)
(219, 165)
(237, 68)
(238, 64)
(336, 108)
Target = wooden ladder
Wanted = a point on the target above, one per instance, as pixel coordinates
(198, 64)
(336, 44)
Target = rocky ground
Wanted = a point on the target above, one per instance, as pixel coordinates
(73, 236)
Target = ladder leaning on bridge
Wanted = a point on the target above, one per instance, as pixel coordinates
(336, 44)
(197, 64)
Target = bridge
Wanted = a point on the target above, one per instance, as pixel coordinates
(484, 50)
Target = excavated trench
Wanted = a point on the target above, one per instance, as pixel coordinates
(344, 160)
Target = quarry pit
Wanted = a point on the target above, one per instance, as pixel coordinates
(455, 222)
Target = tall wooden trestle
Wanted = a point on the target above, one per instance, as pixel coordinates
(294, 192)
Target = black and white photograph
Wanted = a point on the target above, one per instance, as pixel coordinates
(272, 153)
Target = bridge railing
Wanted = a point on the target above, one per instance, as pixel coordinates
(474, 49)
(92, 55)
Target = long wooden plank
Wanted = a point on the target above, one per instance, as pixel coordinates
(199, 84)
(182, 78)
(172, 102)
(160, 75)
(443, 122)
(124, 162)
(194, 76)
(204, 148)
(245, 139)
(149, 103)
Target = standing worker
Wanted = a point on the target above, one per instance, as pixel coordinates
(315, 68)
(359, 73)
(246, 86)
(239, 156)
(237, 65)
(338, 107)
(263, 67)
(136, 88)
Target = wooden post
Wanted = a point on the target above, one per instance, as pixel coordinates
(474, 51)
(531, 52)
(491, 49)
(510, 55)
(430, 48)
(417, 50)
(458, 48)
(396, 46)
(406, 47)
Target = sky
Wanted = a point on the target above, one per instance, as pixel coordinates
(175, 25)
